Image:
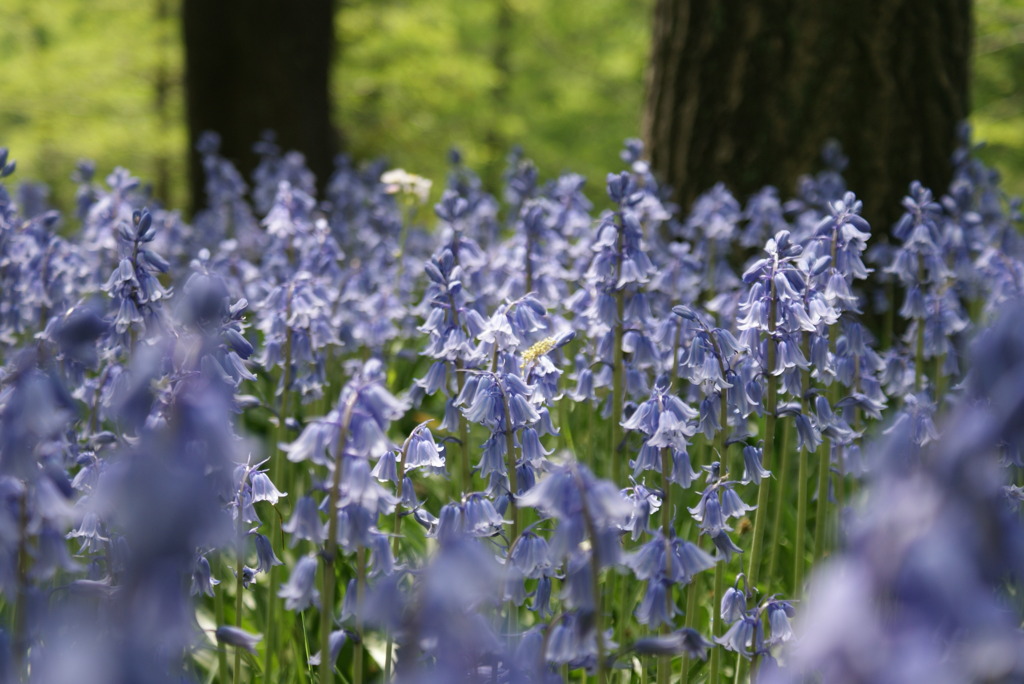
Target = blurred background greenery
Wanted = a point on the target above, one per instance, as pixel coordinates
(103, 80)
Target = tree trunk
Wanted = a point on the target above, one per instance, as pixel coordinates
(253, 65)
(748, 93)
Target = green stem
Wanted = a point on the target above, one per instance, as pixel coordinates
(771, 408)
(840, 488)
(510, 462)
(800, 543)
(720, 441)
(222, 654)
(602, 665)
(618, 393)
(542, 661)
(271, 646)
(676, 344)
(741, 670)
(591, 452)
(529, 263)
(889, 323)
(19, 638)
(396, 530)
(331, 546)
(919, 338)
(357, 657)
(782, 475)
(618, 364)
(822, 519)
(621, 619)
(464, 472)
(716, 653)
(801, 523)
(709, 278)
(239, 585)
(690, 619)
(565, 425)
(666, 485)
(403, 236)
(271, 626)
(821, 511)
(465, 478)
(388, 657)
(301, 640)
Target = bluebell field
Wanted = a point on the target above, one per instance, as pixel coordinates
(532, 438)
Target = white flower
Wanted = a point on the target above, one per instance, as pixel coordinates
(400, 180)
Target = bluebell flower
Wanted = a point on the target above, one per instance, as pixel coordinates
(363, 412)
(203, 581)
(452, 600)
(300, 591)
(644, 501)
(161, 500)
(531, 555)
(305, 522)
(734, 605)
(133, 285)
(708, 512)
(663, 563)
(450, 523)
(235, 636)
(917, 572)
(263, 489)
(579, 501)
(207, 309)
(753, 471)
(481, 518)
(275, 167)
(542, 598)
(725, 545)
(502, 402)
(808, 435)
(6, 167)
(360, 503)
(732, 505)
(762, 216)
(227, 213)
(266, 558)
(654, 610)
(386, 468)
(916, 419)
(779, 628)
(711, 225)
(305, 329)
(687, 642)
(745, 636)
(336, 641)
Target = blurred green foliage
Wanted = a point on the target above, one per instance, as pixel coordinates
(415, 78)
(103, 80)
(80, 80)
(998, 87)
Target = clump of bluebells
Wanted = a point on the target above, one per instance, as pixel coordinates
(530, 440)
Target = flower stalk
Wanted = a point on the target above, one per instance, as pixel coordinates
(331, 546)
(771, 409)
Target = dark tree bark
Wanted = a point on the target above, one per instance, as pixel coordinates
(748, 92)
(253, 65)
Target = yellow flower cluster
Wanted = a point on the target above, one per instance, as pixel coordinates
(538, 350)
